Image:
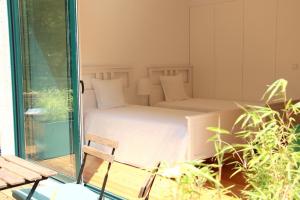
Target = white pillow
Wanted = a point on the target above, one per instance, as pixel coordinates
(109, 93)
(173, 87)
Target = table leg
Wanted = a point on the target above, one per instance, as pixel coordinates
(32, 190)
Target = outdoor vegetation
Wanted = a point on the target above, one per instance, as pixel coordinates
(56, 104)
(53, 123)
(269, 159)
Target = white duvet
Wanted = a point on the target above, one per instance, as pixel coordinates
(146, 135)
(203, 105)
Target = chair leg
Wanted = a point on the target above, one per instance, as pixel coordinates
(105, 178)
(81, 169)
(32, 190)
(82, 166)
(103, 185)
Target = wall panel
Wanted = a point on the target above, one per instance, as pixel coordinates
(228, 49)
(260, 45)
(288, 53)
(202, 50)
(244, 46)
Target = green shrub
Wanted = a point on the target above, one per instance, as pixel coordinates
(269, 159)
(55, 103)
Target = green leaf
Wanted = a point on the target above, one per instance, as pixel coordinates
(218, 130)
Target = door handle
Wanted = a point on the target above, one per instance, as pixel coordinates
(82, 86)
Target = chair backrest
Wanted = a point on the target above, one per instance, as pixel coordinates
(147, 186)
(88, 150)
(100, 140)
(96, 153)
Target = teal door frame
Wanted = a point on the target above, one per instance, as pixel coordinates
(17, 74)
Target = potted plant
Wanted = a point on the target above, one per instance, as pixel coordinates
(53, 139)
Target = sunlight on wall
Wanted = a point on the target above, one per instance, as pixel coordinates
(135, 33)
(6, 111)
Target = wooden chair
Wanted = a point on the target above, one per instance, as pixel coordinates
(98, 154)
(146, 188)
(78, 191)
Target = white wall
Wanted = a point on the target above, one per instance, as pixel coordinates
(6, 111)
(239, 46)
(136, 33)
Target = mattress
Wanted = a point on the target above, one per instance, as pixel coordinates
(203, 105)
(145, 134)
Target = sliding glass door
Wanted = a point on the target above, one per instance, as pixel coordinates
(46, 83)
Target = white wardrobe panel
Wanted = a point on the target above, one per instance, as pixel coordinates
(259, 47)
(201, 50)
(228, 49)
(288, 54)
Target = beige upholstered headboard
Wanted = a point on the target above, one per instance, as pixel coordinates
(155, 72)
(103, 73)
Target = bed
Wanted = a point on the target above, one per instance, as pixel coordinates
(158, 99)
(203, 105)
(146, 134)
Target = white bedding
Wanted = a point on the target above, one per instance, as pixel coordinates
(203, 105)
(146, 135)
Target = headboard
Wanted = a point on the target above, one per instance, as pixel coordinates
(103, 73)
(155, 72)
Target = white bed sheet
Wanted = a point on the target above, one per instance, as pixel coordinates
(145, 134)
(203, 105)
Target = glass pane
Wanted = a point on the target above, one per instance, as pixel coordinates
(47, 84)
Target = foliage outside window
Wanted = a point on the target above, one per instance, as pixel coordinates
(56, 104)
